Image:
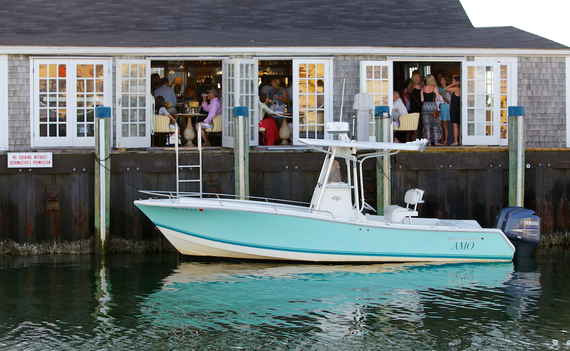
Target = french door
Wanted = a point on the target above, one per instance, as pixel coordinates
(312, 98)
(488, 88)
(239, 89)
(376, 80)
(134, 107)
(65, 95)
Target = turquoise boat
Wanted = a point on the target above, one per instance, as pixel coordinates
(332, 227)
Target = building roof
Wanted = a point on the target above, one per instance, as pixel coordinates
(252, 23)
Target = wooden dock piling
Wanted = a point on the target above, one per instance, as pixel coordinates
(517, 148)
(383, 169)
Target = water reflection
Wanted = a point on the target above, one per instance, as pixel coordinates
(158, 302)
(331, 303)
(103, 298)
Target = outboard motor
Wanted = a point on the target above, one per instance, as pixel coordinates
(521, 226)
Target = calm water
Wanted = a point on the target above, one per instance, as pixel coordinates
(167, 302)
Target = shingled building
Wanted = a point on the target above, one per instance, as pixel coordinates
(58, 61)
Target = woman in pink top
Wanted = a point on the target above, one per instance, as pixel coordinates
(214, 108)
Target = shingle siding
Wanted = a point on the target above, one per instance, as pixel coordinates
(542, 92)
(19, 102)
(346, 70)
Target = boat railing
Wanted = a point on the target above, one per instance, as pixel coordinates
(276, 204)
(178, 195)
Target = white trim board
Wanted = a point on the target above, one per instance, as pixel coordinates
(4, 135)
(567, 101)
(274, 51)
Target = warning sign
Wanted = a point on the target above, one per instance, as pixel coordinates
(30, 160)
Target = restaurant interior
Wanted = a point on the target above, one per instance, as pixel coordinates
(186, 76)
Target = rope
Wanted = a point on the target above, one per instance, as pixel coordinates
(124, 180)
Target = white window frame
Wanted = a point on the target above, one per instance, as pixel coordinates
(374, 94)
(4, 127)
(568, 101)
(70, 140)
(328, 95)
(129, 141)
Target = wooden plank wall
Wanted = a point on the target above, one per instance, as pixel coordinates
(58, 203)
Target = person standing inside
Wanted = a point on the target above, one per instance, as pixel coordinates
(279, 97)
(444, 115)
(264, 87)
(398, 109)
(455, 107)
(190, 91)
(203, 91)
(166, 92)
(431, 124)
(414, 92)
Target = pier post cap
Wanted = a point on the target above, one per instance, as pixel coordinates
(102, 112)
(241, 111)
(516, 110)
(379, 110)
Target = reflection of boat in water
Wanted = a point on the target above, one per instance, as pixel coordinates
(222, 295)
(333, 227)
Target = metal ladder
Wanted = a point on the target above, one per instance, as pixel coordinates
(182, 167)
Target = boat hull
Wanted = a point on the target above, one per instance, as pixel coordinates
(245, 230)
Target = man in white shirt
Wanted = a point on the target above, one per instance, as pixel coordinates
(398, 108)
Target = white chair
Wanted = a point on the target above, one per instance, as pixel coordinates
(397, 214)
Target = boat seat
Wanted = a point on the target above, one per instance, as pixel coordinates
(396, 214)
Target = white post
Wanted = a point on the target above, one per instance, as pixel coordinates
(102, 176)
(241, 158)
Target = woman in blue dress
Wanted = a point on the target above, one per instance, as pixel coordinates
(444, 108)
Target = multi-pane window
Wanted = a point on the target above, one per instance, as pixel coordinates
(375, 80)
(133, 111)
(89, 91)
(65, 95)
(311, 100)
(53, 100)
(312, 96)
(480, 101)
(240, 89)
(488, 88)
(503, 103)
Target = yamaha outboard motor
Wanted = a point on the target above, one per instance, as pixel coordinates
(521, 226)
